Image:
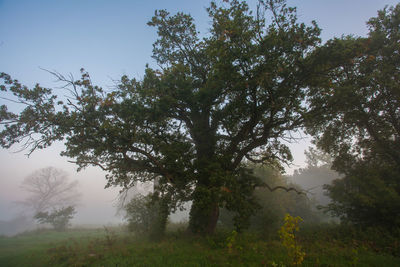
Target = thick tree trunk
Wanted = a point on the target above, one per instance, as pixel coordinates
(213, 219)
(160, 223)
(205, 209)
(161, 218)
(204, 213)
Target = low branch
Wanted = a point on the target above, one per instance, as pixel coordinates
(94, 163)
(287, 189)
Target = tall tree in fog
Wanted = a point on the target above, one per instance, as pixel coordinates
(360, 122)
(49, 189)
(214, 102)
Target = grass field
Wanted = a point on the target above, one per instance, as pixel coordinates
(116, 247)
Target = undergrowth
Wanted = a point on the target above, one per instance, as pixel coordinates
(324, 245)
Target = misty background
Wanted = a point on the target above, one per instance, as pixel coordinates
(110, 39)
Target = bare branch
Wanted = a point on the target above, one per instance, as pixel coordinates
(287, 189)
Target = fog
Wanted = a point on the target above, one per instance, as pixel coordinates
(34, 35)
(97, 206)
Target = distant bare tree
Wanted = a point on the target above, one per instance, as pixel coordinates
(49, 189)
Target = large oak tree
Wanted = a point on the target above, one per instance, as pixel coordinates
(216, 100)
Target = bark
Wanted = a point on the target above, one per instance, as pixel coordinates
(205, 207)
(203, 214)
(160, 223)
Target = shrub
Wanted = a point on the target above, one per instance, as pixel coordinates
(287, 234)
(59, 219)
(147, 216)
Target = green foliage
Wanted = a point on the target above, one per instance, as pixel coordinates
(214, 102)
(32, 248)
(75, 252)
(147, 216)
(272, 206)
(367, 196)
(110, 236)
(58, 218)
(287, 233)
(277, 203)
(376, 239)
(83, 247)
(231, 242)
(355, 117)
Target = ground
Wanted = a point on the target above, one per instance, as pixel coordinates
(114, 246)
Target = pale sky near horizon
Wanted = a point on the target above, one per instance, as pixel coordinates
(110, 39)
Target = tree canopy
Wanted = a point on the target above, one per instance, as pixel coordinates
(234, 95)
(360, 122)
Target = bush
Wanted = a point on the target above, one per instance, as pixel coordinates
(367, 196)
(59, 219)
(288, 235)
(147, 216)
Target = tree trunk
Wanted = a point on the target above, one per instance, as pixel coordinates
(205, 209)
(160, 220)
(204, 212)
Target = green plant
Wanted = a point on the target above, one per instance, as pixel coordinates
(359, 125)
(354, 257)
(287, 234)
(147, 216)
(87, 247)
(274, 264)
(231, 240)
(110, 237)
(59, 219)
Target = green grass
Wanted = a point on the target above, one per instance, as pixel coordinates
(114, 247)
(30, 249)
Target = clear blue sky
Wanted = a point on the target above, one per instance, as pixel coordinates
(109, 39)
